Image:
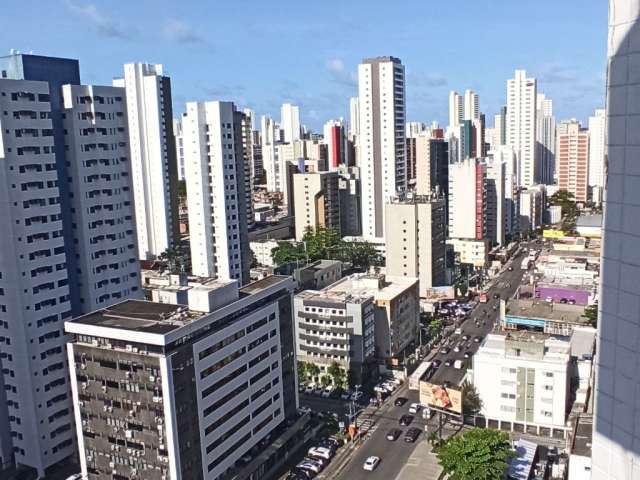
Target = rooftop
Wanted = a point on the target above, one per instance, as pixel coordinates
(381, 286)
(593, 220)
(538, 309)
(583, 436)
(547, 347)
(583, 342)
(321, 265)
(324, 296)
(257, 287)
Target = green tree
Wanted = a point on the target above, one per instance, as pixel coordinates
(462, 288)
(325, 380)
(174, 257)
(570, 211)
(338, 375)
(312, 370)
(435, 326)
(320, 242)
(591, 314)
(303, 372)
(361, 255)
(471, 401)
(287, 252)
(478, 454)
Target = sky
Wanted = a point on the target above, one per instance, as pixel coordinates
(261, 54)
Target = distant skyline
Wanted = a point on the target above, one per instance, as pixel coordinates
(262, 54)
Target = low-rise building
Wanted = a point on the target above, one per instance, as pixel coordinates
(523, 378)
(539, 315)
(589, 225)
(262, 251)
(336, 328)
(397, 310)
(560, 289)
(318, 274)
(174, 391)
(471, 251)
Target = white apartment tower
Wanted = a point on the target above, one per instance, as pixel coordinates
(456, 109)
(99, 172)
(596, 154)
(290, 122)
(216, 186)
(521, 125)
(471, 105)
(381, 143)
(545, 140)
(616, 434)
(354, 117)
(153, 156)
(177, 133)
(35, 411)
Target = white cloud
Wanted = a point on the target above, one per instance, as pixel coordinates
(340, 74)
(178, 31)
(100, 22)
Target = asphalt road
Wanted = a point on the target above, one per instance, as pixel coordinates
(505, 286)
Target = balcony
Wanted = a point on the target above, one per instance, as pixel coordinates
(326, 318)
(317, 338)
(325, 351)
(324, 328)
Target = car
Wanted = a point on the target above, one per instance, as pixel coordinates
(496, 295)
(510, 269)
(326, 393)
(436, 363)
(445, 350)
(309, 466)
(563, 300)
(75, 476)
(315, 459)
(400, 401)
(465, 337)
(318, 390)
(414, 408)
(456, 348)
(389, 387)
(448, 362)
(467, 354)
(301, 388)
(346, 395)
(321, 452)
(411, 435)
(428, 413)
(371, 463)
(393, 434)
(309, 389)
(373, 401)
(379, 389)
(355, 396)
(405, 420)
(477, 339)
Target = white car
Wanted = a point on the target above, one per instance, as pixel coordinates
(327, 392)
(75, 476)
(307, 465)
(371, 463)
(322, 452)
(414, 408)
(390, 387)
(309, 389)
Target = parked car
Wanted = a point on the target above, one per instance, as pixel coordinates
(315, 459)
(465, 337)
(405, 420)
(456, 348)
(467, 354)
(309, 389)
(436, 363)
(318, 390)
(356, 396)
(411, 435)
(309, 466)
(445, 350)
(414, 408)
(321, 452)
(393, 434)
(448, 362)
(400, 401)
(389, 387)
(327, 392)
(346, 395)
(371, 463)
(477, 339)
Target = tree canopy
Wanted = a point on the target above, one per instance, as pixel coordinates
(591, 314)
(569, 209)
(471, 401)
(478, 454)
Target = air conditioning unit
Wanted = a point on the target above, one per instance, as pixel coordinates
(83, 385)
(161, 446)
(104, 388)
(129, 348)
(83, 366)
(128, 433)
(132, 413)
(114, 472)
(135, 349)
(85, 422)
(112, 465)
(81, 403)
(129, 451)
(152, 378)
(89, 458)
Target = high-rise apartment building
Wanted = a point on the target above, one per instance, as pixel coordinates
(350, 210)
(495, 197)
(521, 125)
(500, 128)
(101, 197)
(506, 155)
(432, 165)
(616, 433)
(177, 133)
(467, 199)
(245, 119)
(335, 140)
(471, 105)
(184, 391)
(596, 154)
(35, 406)
(316, 199)
(415, 239)
(381, 142)
(545, 140)
(216, 185)
(573, 159)
(153, 156)
(354, 118)
(456, 109)
(290, 122)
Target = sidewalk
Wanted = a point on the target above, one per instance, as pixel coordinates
(421, 465)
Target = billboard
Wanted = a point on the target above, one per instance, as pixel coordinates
(441, 397)
(553, 233)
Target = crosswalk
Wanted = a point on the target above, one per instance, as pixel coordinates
(367, 425)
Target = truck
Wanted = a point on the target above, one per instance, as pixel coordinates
(525, 264)
(458, 364)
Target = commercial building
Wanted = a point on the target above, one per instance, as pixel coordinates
(506, 155)
(596, 155)
(467, 199)
(523, 378)
(215, 182)
(471, 105)
(318, 275)
(495, 187)
(616, 436)
(415, 240)
(101, 197)
(396, 314)
(521, 125)
(316, 200)
(335, 140)
(173, 391)
(540, 315)
(153, 156)
(336, 328)
(381, 139)
(471, 251)
(573, 159)
(354, 118)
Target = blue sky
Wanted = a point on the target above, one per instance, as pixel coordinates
(262, 53)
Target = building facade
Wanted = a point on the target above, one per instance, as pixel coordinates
(290, 122)
(316, 200)
(545, 140)
(573, 159)
(415, 240)
(467, 199)
(174, 391)
(521, 125)
(597, 124)
(381, 139)
(153, 157)
(216, 185)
